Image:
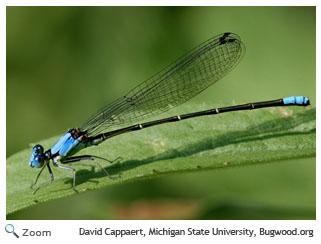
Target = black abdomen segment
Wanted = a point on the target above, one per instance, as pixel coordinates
(249, 106)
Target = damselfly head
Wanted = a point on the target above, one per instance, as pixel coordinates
(37, 158)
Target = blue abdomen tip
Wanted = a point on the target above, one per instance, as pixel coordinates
(300, 100)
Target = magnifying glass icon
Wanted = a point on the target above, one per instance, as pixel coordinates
(10, 229)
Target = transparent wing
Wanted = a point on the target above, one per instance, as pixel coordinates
(174, 85)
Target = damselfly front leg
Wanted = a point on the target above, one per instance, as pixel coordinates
(46, 183)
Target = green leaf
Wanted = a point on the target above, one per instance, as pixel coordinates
(209, 142)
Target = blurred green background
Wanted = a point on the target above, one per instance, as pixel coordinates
(64, 63)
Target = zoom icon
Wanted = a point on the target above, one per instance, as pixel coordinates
(10, 229)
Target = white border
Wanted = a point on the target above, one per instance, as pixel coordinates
(66, 230)
(159, 3)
